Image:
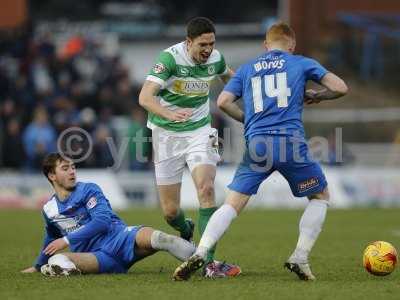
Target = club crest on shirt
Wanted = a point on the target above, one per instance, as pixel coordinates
(158, 68)
(211, 70)
(184, 71)
(91, 203)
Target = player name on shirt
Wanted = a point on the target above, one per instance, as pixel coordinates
(266, 65)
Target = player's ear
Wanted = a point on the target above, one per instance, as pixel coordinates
(51, 176)
(292, 46)
(189, 41)
(265, 45)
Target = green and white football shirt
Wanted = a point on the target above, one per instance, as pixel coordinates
(184, 84)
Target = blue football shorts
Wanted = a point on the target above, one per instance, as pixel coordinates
(286, 154)
(117, 253)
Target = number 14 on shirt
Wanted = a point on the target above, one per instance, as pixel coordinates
(280, 90)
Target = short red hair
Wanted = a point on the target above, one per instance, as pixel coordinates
(280, 33)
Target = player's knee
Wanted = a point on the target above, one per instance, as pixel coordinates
(324, 195)
(143, 237)
(206, 190)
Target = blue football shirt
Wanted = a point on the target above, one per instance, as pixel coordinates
(85, 217)
(272, 87)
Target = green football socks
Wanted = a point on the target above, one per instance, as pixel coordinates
(179, 223)
(205, 215)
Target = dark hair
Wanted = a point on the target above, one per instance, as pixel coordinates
(199, 25)
(50, 162)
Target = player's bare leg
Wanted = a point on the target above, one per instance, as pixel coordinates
(310, 227)
(170, 205)
(203, 178)
(216, 227)
(68, 263)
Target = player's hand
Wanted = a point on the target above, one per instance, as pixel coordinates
(310, 97)
(29, 270)
(179, 115)
(54, 246)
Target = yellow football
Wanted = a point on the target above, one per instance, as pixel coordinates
(380, 258)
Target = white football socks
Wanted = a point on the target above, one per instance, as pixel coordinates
(310, 226)
(61, 260)
(176, 246)
(216, 227)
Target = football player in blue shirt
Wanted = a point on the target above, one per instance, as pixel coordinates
(80, 217)
(273, 90)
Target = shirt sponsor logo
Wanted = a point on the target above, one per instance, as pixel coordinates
(68, 224)
(159, 68)
(198, 88)
(308, 184)
(91, 203)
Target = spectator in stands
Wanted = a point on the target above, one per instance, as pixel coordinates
(139, 141)
(39, 138)
(12, 148)
(42, 78)
(22, 92)
(8, 111)
(101, 146)
(88, 118)
(123, 99)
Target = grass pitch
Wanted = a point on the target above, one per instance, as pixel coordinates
(259, 241)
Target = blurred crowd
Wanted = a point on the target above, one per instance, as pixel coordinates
(45, 89)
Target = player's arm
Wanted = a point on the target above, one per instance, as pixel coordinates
(51, 234)
(148, 100)
(227, 75)
(225, 72)
(155, 81)
(226, 102)
(335, 88)
(232, 91)
(100, 214)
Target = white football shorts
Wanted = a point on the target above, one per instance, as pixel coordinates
(173, 150)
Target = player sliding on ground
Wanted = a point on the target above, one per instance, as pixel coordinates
(78, 215)
(272, 87)
(175, 94)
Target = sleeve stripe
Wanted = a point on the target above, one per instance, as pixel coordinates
(156, 80)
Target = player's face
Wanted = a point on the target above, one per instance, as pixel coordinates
(200, 48)
(65, 174)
